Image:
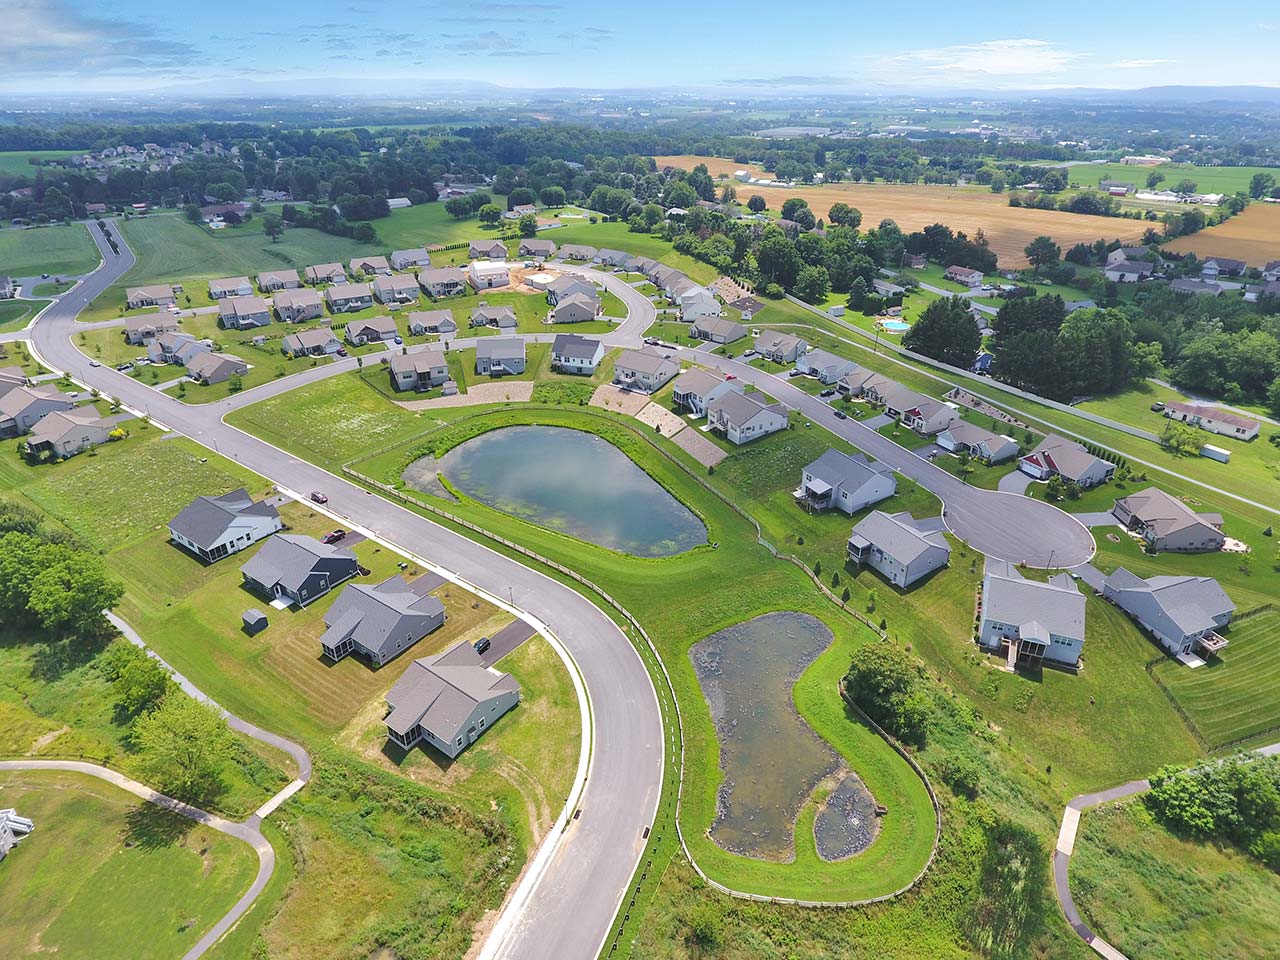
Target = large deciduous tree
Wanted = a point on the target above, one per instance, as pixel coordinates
(946, 331)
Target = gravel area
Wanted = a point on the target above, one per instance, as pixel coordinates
(697, 445)
(656, 415)
(615, 398)
(498, 391)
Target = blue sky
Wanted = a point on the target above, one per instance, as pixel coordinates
(926, 45)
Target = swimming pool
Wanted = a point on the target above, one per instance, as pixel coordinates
(894, 326)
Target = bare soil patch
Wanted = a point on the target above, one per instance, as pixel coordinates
(516, 391)
(698, 446)
(656, 415)
(614, 398)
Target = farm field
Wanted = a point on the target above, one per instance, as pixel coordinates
(1207, 179)
(1252, 236)
(1151, 894)
(60, 249)
(912, 207)
(106, 875)
(616, 236)
(16, 163)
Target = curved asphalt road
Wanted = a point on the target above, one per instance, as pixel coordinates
(566, 906)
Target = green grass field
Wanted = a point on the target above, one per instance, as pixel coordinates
(616, 236)
(106, 875)
(429, 223)
(53, 250)
(1207, 179)
(17, 163)
(16, 314)
(1151, 894)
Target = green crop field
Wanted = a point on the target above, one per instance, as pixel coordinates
(1236, 697)
(53, 250)
(1151, 894)
(106, 875)
(1207, 179)
(17, 163)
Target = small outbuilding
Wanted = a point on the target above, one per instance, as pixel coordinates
(255, 621)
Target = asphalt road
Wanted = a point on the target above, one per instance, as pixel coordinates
(1002, 525)
(564, 907)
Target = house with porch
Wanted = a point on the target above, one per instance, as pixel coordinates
(1038, 621)
(1183, 614)
(1058, 456)
(431, 321)
(349, 297)
(410, 259)
(11, 378)
(22, 407)
(571, 353)
(500, 356)
(537, 248)
(298, 569)
(141, 328)
(310, 343)
(442, 282)
(845, 482)
(824, 365)
(780, 347)
(977, 442)
(645, 370)
(243, 313)
(923, 414)
(447, 701)
(577, 251)
(743, 417)
(379, 621)
(611, 258)
(396, 288)
(62, 434)
(176, 348)
(298, 306)
(697, 387)
(487, 250)
(717, 329)
(419, 371)
(966, 276)
(1166, 524)
(215, 527)
(493, 315)
(567, 285)
(269, 281)
(698, 303)
(210, 368)
(897, 547)
(575, 308)
(1213, 268)
(325, 273)
(230, 287)
(371, 330)
(369, 266)
(1213, 419)
(154, 295)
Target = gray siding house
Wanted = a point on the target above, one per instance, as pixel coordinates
(379, 621)
(408, 259)
(155, 295)
(64, 434)
(295, 306)
(500, 356)
(1058, 456)
(442, 281)
(896, 547)
(645, 370)
(1168, 524)
(1038, 621)
(419, 371)
(741, 417)
(717, 330)
(310, 343)
(1183, 613)
(139, 329)
(780, 347)
(269, 281)
(842, 482)
(325, 273)
(230, 287)
(371, 330)
(825, 366)
(571, 353)
(487, 249)
(216, 527)
(209, 367)
(296, 568)
(431, 321)
(23, 407)
(348, 298)
(243, 312)
(575, 308)
(541, 249)
(981, 444)
(695, 389)
(448, 701)
(397, 288)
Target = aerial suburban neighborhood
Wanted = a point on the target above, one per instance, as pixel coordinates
(532, 507)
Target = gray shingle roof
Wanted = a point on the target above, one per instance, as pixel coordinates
(836, 468)
(288, 559)
(440, 692)
(500, 348)
(1191, 603)
(897, 535)
(1008, 597)
(575, 347)
(205, 519)
(374, 615)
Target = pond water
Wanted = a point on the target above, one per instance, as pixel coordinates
(573, 482)
(771, 759)
(846, 823)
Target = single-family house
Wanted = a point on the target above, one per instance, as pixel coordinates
(977, 442)
(379, 621)
(865, 383)
(442, 281)
(209, 368)
(1214, 267)
(698, 303)
(154, 295)
(1271, 272)
(419, 371)
(8, 289)
(310, 343)
(21, 408)
(1058, 456)
(297, 568)
(883, 288)
(1038, 621)
(487, 274)
(176, 348)
(1168, 524)
(500, 356)
(694, 389)
(571, 353)
(349, 297)
(1214, 419)
(493, 315)
(487, 249)
(1071, 306)
(566, 285)
(371, 330)
(643, 265)
(214, 527)
(369, 266)
(577, 251)
(1195, 288)
(297, 306)
(536, 248)
(431, 321)
(1132, 254)
(645, 370)
(897, 547)
(325, 273)
(396, 288)
(448, 701)
(520, 210)
(11, 378)
(1183, 614)
(914, 261)
(839, 481)
(717, 329)
(269, 281)
(410, 259)
(780, 347)
(923, 414)
(575, 308)
(243, 313)
(611, 258)
(13, 829)
(824, 365)
(966, 276)
(140, 328)
(66, 433)
(230, 287)
(665, 278)
(1129, 271)
(743, 417)
(1269, 289)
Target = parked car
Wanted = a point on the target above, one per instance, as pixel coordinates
(1158, 406)
(748, 353)
(318, 497)
(342, 351)
(333, 536)
(399, 340)
(841, 415)
(482, 645)
(124, 367)
(827, 393)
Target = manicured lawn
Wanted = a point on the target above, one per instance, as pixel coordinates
(616, 236)
(935, 275)
(107, 875)
(17, 163)
(16, 314)
(1151, 894)
(429, 223)
(53, 250)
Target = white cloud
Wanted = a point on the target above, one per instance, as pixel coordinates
(1138, 63)
(990, 58)
(51, 37)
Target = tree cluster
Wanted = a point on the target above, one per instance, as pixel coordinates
(886, 685)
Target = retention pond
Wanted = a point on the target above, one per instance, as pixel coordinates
(573, 482)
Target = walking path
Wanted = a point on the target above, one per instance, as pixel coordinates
(1066, 845)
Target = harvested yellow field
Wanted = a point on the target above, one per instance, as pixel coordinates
(915, 206)
(1253, 236)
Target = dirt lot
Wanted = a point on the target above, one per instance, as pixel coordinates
(656, 415)
(914, 206)
(615, 398)
(1253, 236)
(697, 445)
(514, 390)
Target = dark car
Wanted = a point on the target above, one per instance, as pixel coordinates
(333, 536)
(841, 415)
(342, 351)
(124, 367)
(482, 645)
(318, 497)
(1158, 406)
(827, 393)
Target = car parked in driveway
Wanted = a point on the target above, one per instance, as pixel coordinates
(482, 645)
(827, 393)
(333, 536)
(318, 497)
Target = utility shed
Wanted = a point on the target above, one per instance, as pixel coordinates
(255, 621)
